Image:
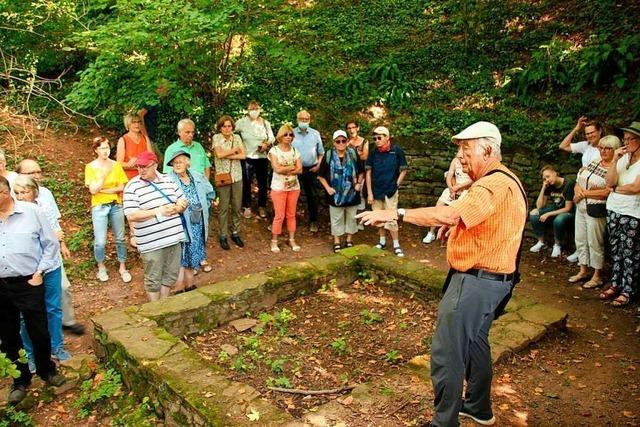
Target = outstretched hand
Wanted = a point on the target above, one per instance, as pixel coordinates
(377, 218)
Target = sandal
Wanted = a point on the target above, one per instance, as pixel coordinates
(336, 248)
(592, 284)
(577, 278)
(380, 246)
(206, 267)
(398, 251)
(621, 301)
(349, 244)
(274, 247)
(294, 246)
(609, 293)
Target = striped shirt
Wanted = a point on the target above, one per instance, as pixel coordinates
(492, 217)
(152, 234)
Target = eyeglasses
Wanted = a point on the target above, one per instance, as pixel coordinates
(629, 139)
(340, 141)
(378, 137)
(288, 134)
(605, 148)
(136, 121)
(31, 173)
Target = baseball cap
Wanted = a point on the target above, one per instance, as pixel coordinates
(146, 158)
(338, 133)
(479, 130)
(381, 130)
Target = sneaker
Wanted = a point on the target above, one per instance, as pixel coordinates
(125, 276)
(398, 251)
(274, 247)
(555, 253)
(102, 275)
(573, 257)
(536, 248)
(430, 237)
(32, 365)
(75, 329)
(61, 355)
(246, 212)
(262, 212)
(313, 227)
(294, 246)
(482, 421)
(56, 380)
(17, 394)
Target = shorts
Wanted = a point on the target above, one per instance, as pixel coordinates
(388, 203)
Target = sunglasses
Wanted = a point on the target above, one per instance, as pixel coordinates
(378, 137)
(288, 134)
(139, 167)
(340, 141)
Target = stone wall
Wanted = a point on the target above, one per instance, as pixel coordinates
(429, 161)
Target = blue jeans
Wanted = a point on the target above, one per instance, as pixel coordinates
(100, 216)
(561, 223)
(52, 301)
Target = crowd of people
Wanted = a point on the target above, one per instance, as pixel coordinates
(167, 201)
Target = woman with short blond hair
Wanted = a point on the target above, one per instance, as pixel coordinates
(131, 144)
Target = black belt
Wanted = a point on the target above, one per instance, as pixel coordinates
(484, 274)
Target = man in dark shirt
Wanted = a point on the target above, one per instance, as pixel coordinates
(386, 168)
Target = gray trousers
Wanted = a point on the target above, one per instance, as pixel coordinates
(230, 203)
(68, 313)
(460, 347)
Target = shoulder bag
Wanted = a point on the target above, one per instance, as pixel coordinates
(595, 210)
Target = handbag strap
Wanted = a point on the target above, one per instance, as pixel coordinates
(592, 172)
(159, 190)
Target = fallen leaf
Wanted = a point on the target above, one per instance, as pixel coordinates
(504, 407)
(628, 414)
(253, 415)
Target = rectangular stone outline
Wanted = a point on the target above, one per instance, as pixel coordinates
(144, 345)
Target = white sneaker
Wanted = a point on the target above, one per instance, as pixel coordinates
(573, 257)
(430, 237)
(555, 253)
(102, 275)
(536, 247)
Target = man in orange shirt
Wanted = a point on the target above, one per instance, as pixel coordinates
(485, 238)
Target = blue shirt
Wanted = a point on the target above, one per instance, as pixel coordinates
(309, 144)
(48, 203)
(27, 242)
(385, 170)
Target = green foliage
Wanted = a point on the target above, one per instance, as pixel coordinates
(8, 369)
(339, 345)
(277, 365)
(280, 320)
(223, 356)
(370, 317)
(281, 381)
(393, 356)
(240, 365)
(94, 392)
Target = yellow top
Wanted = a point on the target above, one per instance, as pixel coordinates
(114, 178)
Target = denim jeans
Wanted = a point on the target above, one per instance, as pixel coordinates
(53, 304)
(100, 215)
(561, 223)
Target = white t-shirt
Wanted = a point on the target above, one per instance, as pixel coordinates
(285, 158)
(588, 151)
(625, 204)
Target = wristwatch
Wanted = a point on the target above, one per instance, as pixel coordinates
(401, 213)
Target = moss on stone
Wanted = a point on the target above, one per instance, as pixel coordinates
(189, 301)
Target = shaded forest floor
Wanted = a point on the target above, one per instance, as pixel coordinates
(585, 375)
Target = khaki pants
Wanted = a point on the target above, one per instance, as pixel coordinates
(230, 204)
(343, 220)
(589, 237)
(387, 203)
(161, 267)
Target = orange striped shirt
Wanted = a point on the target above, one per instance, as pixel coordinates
(492, 217)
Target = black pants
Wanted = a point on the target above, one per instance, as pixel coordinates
(309, 184)
(260, 169)
(16, 297)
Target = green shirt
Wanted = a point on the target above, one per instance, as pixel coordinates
(199, 159)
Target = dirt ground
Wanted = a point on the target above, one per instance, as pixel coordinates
(586, 375)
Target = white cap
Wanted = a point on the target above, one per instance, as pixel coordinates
(479, 130)
(338, 133)
(381, 130)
